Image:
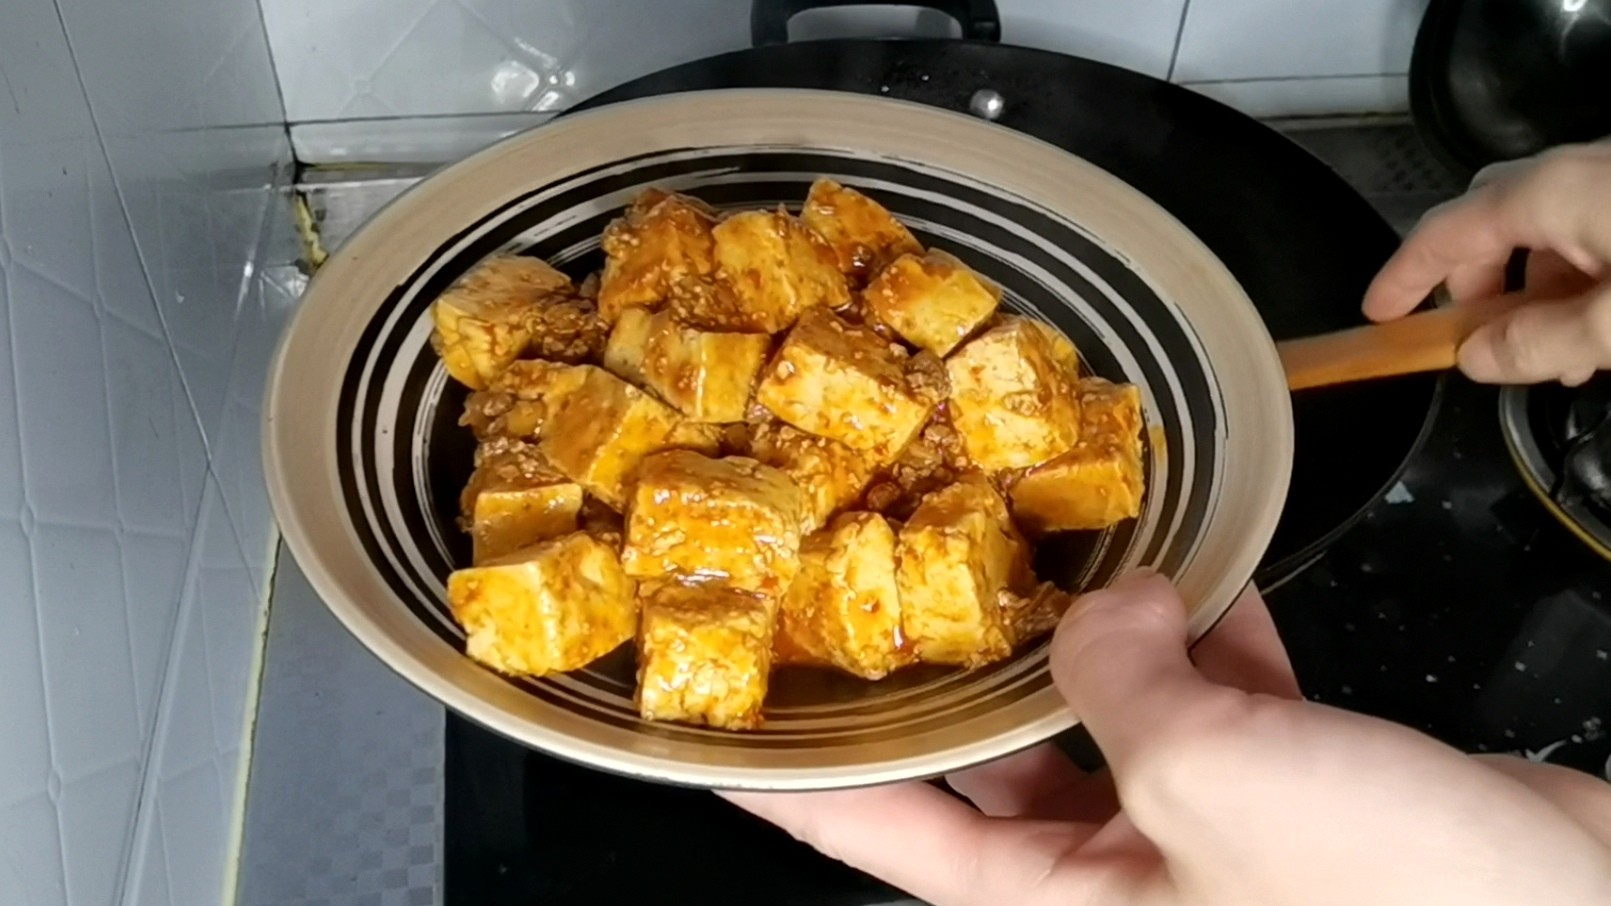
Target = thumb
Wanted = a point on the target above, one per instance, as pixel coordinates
(1542, 341)
(1119, 658)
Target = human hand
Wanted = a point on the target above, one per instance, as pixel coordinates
(1557, 206)
(1225, 789)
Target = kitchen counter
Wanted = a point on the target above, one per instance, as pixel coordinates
(1457, 606)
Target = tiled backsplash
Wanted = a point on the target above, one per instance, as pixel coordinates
(435, 68)
(142, 159)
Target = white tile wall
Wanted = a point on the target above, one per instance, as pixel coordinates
(1267, 39)
(136, 182)
(406, 80)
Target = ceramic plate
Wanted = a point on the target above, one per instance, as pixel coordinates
(365, 460)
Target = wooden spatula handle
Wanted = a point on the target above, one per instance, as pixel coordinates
(1424, 341)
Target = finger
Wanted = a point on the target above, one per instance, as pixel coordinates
(1541, 341)
(1550, 276)
(1245, 651)
(1502, 171)
(1560, 202)
(1041, 783)
(1476, 280)
(922, 840)
(1466, 232)
(1119, 658)
(1019, 785)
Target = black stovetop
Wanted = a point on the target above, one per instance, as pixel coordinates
(1458, 606)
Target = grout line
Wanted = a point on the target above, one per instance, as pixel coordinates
(279, 94)
(144, 820)
(274, 63)
(1180, 32)
(409, 117)
(1334, 77)
(187, 130)
(236, 846)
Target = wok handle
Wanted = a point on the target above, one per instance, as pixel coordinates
(769, 19)
(1424, 341)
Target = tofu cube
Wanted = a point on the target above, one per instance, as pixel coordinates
(704, 655)
(701, 437)
(1012, 401)
(844, 608)
(519, 400)
(707, 375)
(602, 431)
(483, 321)
(661, 240)
(844, 383)
(552, 607)
(1063, 351)
(732, 521)
(515, 498)
(777, 270)
(506, 520)
(864, 236)
(933, 301)
(628, 346)
(830, 474)
(957, 554)
(1098, 483)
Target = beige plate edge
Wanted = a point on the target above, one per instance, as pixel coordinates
(403, 232)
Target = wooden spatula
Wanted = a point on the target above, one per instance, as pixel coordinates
(1424, 341)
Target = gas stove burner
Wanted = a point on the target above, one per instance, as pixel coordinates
(1560, 438)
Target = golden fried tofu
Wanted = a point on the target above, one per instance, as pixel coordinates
(776, 270)
(844, 383)
(830, 474)
(555, 606)
(707, 375)
(933, 301)
(729, 520)
(844, 608)
(701, 437)
(1100, 482)
(1012, 401)
(704, 655)
(662, 239)
(483, 321)
(957, 553)
(863, 235)
(515, 498)
(520, 399)
(602, 430)
(628, 346)
(1063, 351)
(506, 520)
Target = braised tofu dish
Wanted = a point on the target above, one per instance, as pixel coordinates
(760, 440)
